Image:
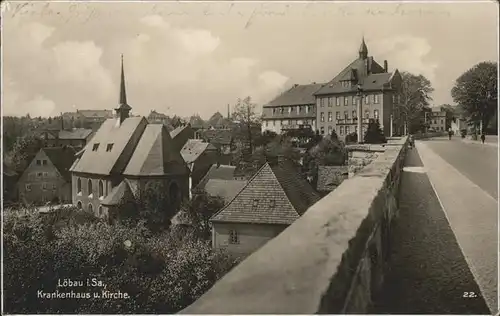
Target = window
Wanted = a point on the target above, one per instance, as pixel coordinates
(346, 101)
(274, 123)
(100, 211)
(79, 205)
(95, 147)
(233, 237)
(375, 98)
(282, 110)
(89, 186)
(267, 123)
(54, 187)
(255, 203)
(337, 115)
(109, 147)
(330, 118)
(354, 115)
(355, 129)
(299, 108)
(272, 203)
(101, 189)
(347, 130)
(284, 122)
(330, 128)
(45, 174)
(28, 187)
(39, 174)
(79, 185)
(91, 208)
(322, 130)
(367, 99)
(342, 130)
(322, 116)
(330, 101)
(44, 186)
(346, 115)
(375, 114)
(274, 111)
(442, 122)
(38, 162)
(290, 109)
(367, 114)
(44, 162)
(307, 109)
(354, 100)
(337, 100)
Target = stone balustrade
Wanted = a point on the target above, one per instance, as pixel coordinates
(331, 260)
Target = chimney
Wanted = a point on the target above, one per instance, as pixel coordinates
(385, 65)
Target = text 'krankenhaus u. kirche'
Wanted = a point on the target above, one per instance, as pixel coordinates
(333, 105)
(127, 156)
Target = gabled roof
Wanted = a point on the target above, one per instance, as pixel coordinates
(75, 133)
(218, 136)
(297, 95)
(104, 162)
(121, 193)
(357, 69)
(194, 148)
(329, 177)
(226, 189)
(155, 154)
(178, 130)
(221, 172)
(62, 158)
(277, 194)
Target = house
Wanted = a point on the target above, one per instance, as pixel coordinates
(363, 79)
(181, 135)
(218, 121)
(75, 137)
(222, 139)
(47, 178)
(272, 200)
(438, 119)
(216, 171)
(199, 157)
(88, 118)
(127, 157)
(330, 177)
(293, 109)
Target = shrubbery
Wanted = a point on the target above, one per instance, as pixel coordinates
(160, 273)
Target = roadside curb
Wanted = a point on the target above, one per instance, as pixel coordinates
(478, 142)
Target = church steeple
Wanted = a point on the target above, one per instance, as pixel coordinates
(363, 50)
(123, 109)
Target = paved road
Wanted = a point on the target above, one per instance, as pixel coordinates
(433, 263)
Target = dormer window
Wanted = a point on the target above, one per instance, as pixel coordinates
(109, 147)
(255, 202)
(272, 203)
(95, 147)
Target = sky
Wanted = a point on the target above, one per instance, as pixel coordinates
(189, 58)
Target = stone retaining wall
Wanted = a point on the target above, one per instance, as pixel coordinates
(331, 260)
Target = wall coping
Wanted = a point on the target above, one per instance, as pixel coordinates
(294, 272)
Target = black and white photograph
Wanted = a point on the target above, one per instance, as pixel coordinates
(250, 157)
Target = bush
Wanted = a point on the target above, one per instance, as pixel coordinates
(374, 134)
(351, 138)
(161, 274)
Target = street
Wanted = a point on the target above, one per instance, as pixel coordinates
(445, 239)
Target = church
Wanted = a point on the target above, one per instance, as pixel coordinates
(126, 157)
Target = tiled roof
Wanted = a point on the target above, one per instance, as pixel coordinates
(62, 158)
(226, 189)
(277, 194)
(96, 113)
(194, 148)
(297, 95)
(358, 70)
(119, 194)
(221, 172)
(155, 154)
(329, 177)
(218, 136)
(75, 133)
(102, 161)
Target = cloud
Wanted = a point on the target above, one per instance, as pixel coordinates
(40, 106)
(409, 53)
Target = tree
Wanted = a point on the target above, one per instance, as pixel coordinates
(23, 150)
(244, 113)
(374, 133)
(351, 138)
(475, 91)
(414, 97)
(265, 138)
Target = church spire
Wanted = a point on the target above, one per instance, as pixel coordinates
(363, 50)
(123, 109)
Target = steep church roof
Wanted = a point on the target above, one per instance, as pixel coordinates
(155, 154)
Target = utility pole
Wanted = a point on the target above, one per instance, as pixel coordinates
(360, 114)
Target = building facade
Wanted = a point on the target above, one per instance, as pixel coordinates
(47, 177)
(438, 119)
(293, 109)
(363, 79)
